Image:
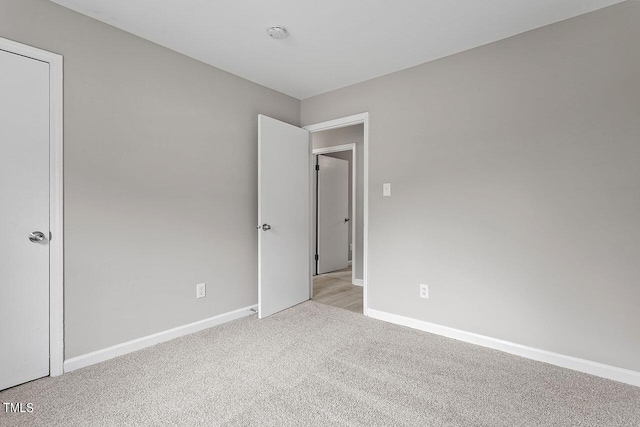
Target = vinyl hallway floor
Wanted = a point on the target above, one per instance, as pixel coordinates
(336, 289)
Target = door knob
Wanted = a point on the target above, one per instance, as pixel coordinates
(265, 227)
(347, 219)
(36, 236)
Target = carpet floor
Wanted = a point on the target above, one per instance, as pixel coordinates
(319, 365)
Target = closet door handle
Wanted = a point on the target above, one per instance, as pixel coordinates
(36, 236)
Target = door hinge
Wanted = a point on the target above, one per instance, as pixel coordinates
(317, 167)
(50, 236)
(316, 257)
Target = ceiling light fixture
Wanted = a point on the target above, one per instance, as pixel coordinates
(277, 32)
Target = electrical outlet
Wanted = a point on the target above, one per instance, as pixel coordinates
(424, 291)
(201, 290)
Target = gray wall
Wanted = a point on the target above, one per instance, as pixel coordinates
(348, 135)
(160, 178)
(515, 187)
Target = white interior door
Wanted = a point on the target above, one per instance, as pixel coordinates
(24, 209)
(333, 214)
(284, 160)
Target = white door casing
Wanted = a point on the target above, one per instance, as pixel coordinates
(283, 215)
(355, 208)
(54, 166)
(24, 208)
(333, 214)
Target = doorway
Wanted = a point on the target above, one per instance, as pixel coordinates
(333, 211)
(31, 266)
(338, 241)
(285, 236)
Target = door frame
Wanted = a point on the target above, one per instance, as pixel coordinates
(356, 119)
(56, 200)
(337, 149)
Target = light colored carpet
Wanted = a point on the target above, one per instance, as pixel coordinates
(319, 365)
(336, 289)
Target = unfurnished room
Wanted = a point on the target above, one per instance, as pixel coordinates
(332, 213)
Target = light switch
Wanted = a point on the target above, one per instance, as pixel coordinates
(386, 189)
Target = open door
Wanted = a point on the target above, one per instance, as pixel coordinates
(284, 162)
(333, 214)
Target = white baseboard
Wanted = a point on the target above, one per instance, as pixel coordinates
(140, 343)
(594, 368)
(358, 282)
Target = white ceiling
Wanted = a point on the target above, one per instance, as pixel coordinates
(331, 43)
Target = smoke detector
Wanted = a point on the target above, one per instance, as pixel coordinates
(277, 32)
